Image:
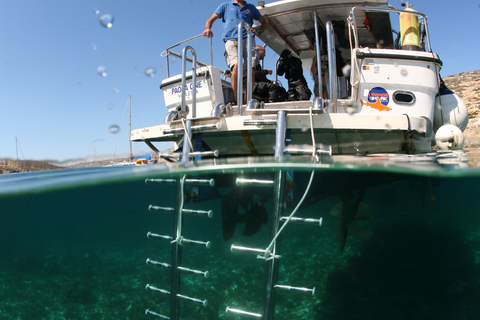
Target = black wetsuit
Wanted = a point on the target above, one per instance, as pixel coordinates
(265, 90)
(297, 85)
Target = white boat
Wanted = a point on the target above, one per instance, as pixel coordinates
(391, 101)
(391, 108)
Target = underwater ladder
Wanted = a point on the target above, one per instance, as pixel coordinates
(271, 254)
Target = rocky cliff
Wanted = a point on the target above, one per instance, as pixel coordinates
(467, 86)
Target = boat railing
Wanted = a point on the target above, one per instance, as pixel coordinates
(389, 9)
(168, 52)
(242, 25)
(332, 68)
(184, 111)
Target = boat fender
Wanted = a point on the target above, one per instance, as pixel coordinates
(449, 109)
(449, 137)
(409, 30)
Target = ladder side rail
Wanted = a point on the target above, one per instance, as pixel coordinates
(177, 251)
(273, 264)
(280, 134)
(186, 141)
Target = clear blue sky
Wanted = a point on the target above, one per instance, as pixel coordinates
(53, 99)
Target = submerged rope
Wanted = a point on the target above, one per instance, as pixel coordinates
(268, 252)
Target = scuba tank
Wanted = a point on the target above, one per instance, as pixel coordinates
(409, 30)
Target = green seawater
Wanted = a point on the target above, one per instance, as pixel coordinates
(74, 245)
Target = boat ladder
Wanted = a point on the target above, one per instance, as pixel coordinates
(177, 240)
(278, 220)
(272, 253)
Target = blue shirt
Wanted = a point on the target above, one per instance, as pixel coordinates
(232, 15)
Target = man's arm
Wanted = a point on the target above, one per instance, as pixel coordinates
(263, 27)
(208, 25)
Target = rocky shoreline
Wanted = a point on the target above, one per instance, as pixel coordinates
(467, 86)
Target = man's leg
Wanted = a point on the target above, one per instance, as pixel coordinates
(233, 80)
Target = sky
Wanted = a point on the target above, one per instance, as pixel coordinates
(57, 105)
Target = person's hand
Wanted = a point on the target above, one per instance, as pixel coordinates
(269, 71)
(207, 32)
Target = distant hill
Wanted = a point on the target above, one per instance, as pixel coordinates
(9, 165)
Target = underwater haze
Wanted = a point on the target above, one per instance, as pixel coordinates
(393, 243)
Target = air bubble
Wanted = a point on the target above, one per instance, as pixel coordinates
(106, 20)
(102, 71)
(404, 72)
(116, 90)
(96, 11)
(114, 129)
(150, 72)
(94, 47)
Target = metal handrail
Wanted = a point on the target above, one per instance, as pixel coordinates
(184, 81)
(319, 100)
(183, 112)
(332, 67)
(166, 53)
(391, 9)
(239, 65)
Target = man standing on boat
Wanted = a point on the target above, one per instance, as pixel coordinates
(232, 13)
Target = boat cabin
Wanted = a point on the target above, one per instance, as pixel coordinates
(380, 85)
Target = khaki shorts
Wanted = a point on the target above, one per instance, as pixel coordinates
(231, 53)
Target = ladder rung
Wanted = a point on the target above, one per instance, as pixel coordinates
(206, 244)
(297, 289)
(232, 310)
(150, 287)
(200, 182)
(155, 181)
(152, 235)
(254, 182)
(271, 122)
(198, 128)
(198, 301)
(309, 221)
(308, 149)
(251, 250)
(152, 313)
(170, 155)
(204, 274)
(202, 213)
(204, 154)
(202, 302)
(157, 263)
(153, 208)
